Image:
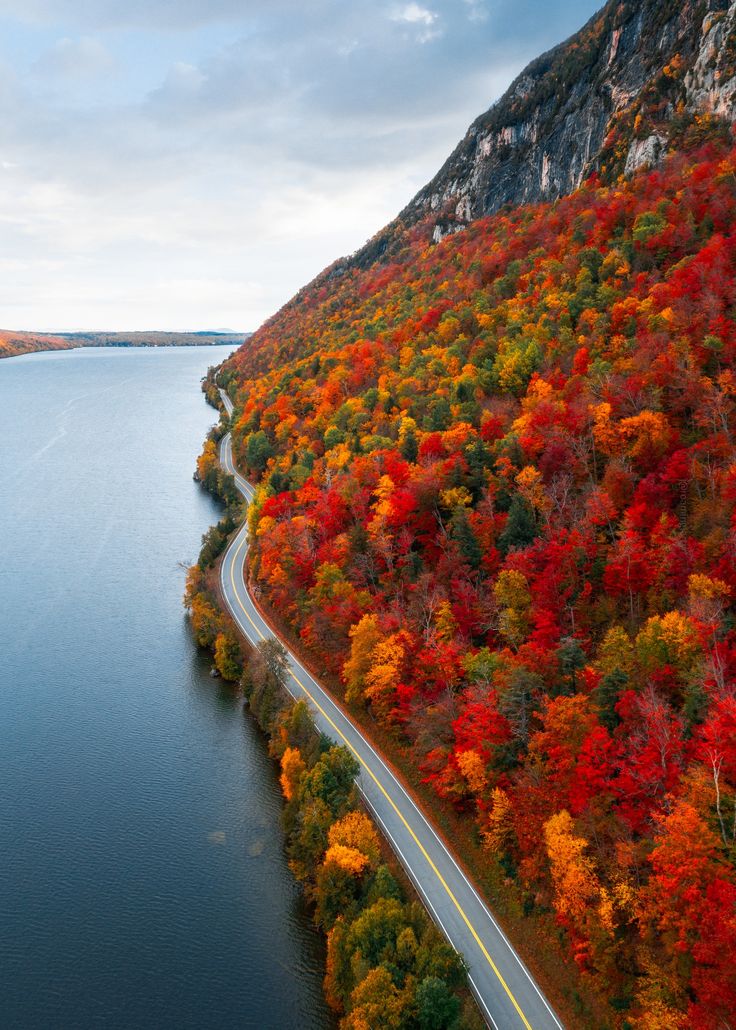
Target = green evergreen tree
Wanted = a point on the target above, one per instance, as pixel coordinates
(278, 482)
(606, 696)
(409, 446)
(437, 1007)
(479, 459)
(466, 539)
(383, 885)
(521, 526)
(571, 659)
(440, 414)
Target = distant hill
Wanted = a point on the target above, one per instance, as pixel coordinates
(14, 343)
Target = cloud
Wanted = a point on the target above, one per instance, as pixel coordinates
(188, 164)
(477, 10)
(413, 14)
(174, 15)
(182, 85)
(421, 18)
(80, 58)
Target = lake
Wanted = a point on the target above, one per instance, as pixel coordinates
(142, 876)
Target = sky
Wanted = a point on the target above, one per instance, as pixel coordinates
(190, 164)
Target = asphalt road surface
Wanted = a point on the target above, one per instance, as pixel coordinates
(507, 994)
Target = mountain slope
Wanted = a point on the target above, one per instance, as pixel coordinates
(498, 507)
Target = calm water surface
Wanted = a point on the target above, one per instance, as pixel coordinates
(142, 879)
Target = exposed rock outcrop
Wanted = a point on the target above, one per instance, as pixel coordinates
(610, 99)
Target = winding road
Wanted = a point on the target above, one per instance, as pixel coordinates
(507, 994)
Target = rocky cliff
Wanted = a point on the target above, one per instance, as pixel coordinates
(634, 81)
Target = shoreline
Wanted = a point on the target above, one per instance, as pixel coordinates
(12, 344)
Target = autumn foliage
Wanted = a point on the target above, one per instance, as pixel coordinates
(497, 499)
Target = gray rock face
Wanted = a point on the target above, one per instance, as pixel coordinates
(606, 100)
(710, 82)
(644, 152)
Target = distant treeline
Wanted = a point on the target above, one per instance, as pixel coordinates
(14, 343)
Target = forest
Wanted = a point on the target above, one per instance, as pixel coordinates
(497, 488)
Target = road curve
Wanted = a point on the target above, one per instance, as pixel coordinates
(507, 994)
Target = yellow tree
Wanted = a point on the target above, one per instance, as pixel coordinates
(355, 830)
(511, 592)
(445, 623)
(671, 639)
(228, 658)
(384, 676)
(348, 859)
(207, 461)
(498, 829)
(531, 488)
(376, 1002)
(364, 637)
(472, 767)
(576, 885)
(616, 652)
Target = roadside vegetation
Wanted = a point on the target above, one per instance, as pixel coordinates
(387, 964)
(212, 627)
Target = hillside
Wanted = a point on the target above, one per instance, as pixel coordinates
(15, 343)
(498, 506)
(498, 501)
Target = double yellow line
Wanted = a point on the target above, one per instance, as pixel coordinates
(388, 798)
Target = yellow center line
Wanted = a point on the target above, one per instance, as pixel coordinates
(388, 797)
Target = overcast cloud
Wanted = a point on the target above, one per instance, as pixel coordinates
(189, 164)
